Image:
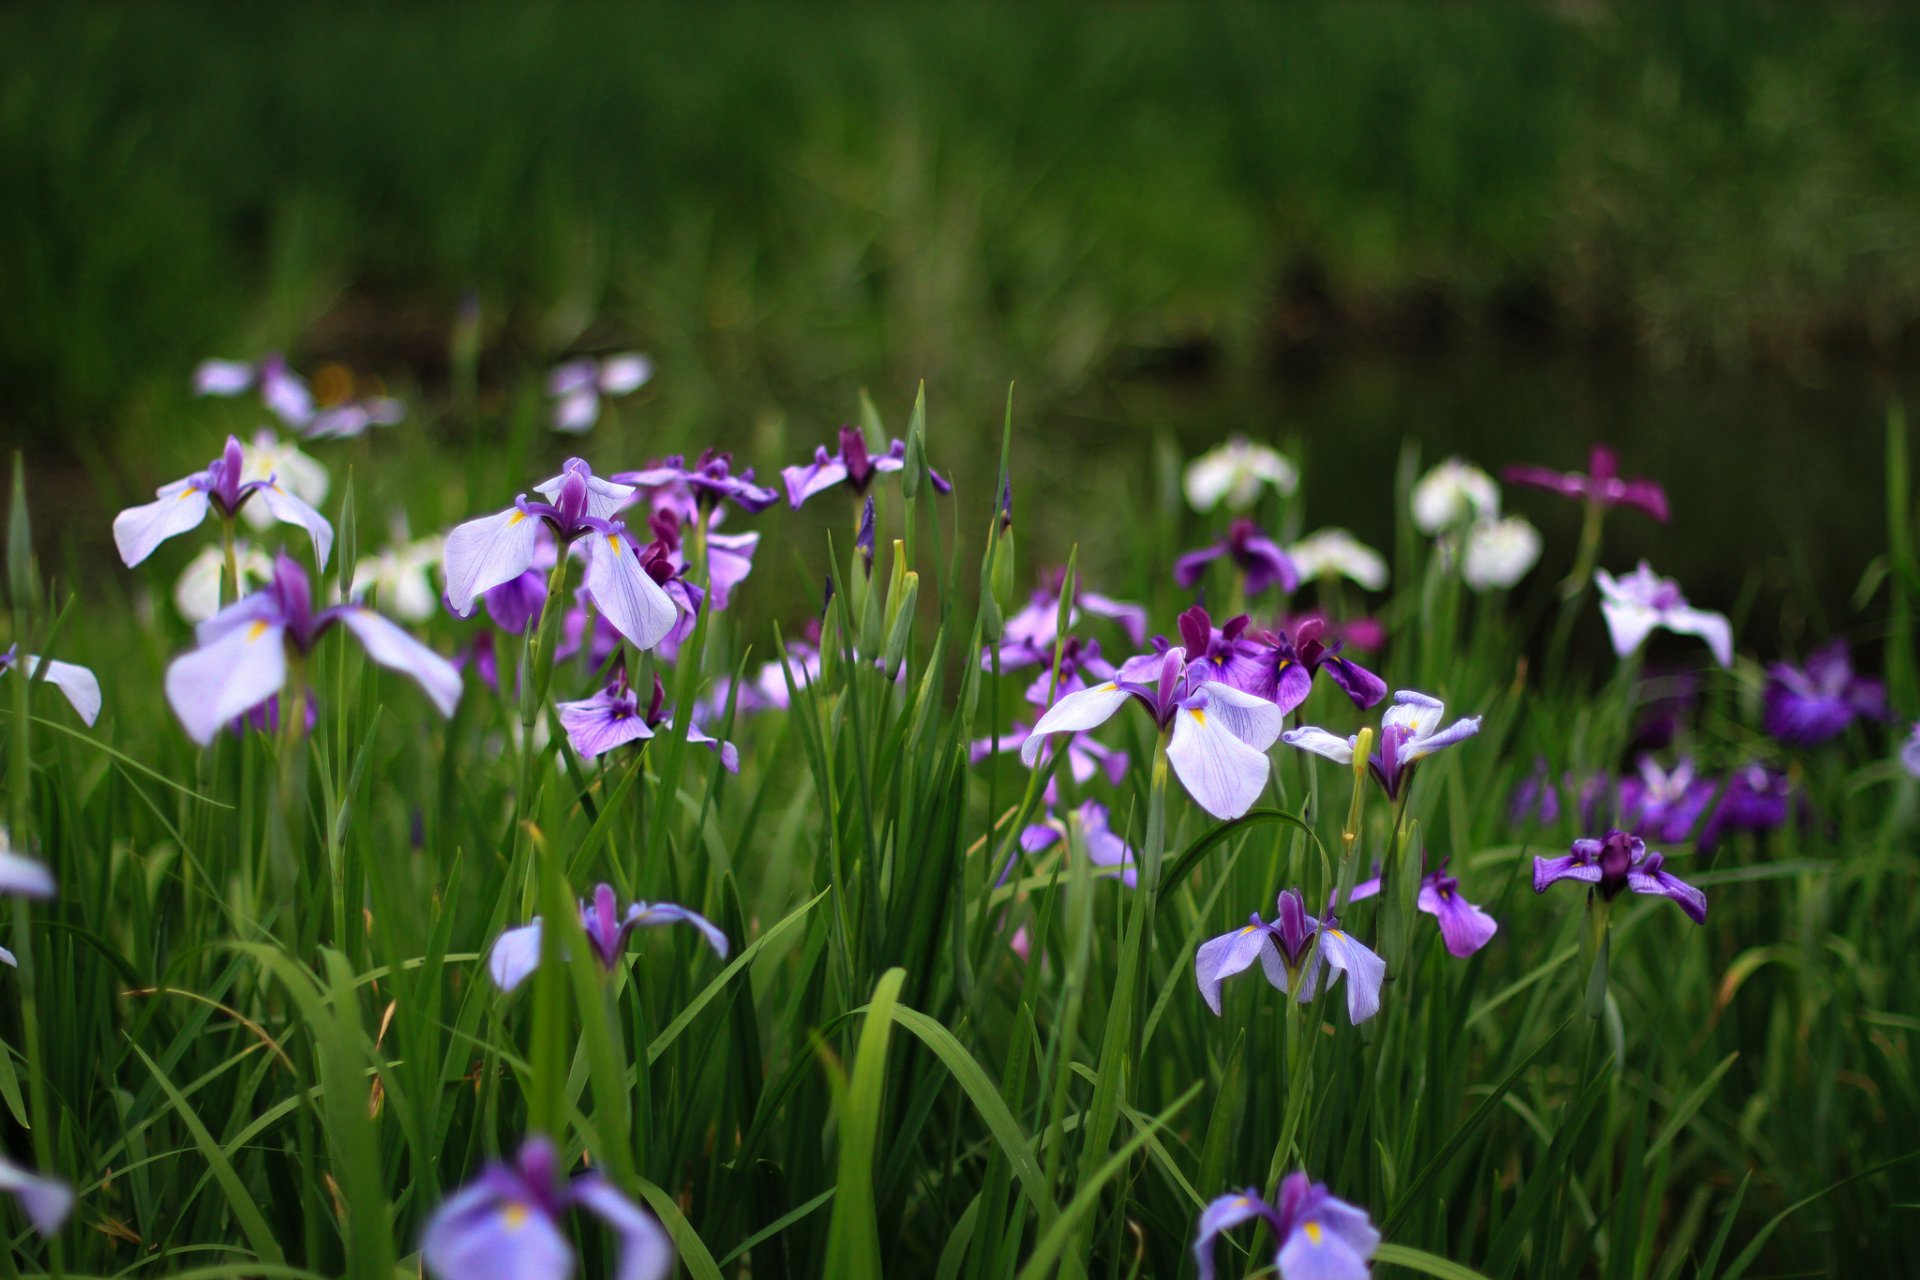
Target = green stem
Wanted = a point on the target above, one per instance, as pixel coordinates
(230, 584)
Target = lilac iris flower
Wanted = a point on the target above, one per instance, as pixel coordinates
(578, 505)
(182, 505)
(1662, 804)
(1220, 734)
(1464, 927)
(577, 386)
(1602, 484)
(80, 686)
(1812, 704)
(1615, 862)
(1643, 600)
(516, 953)
(1296, 952)
(1409, 733)
(506, 1224)
(1318, 1236)
(1910, 752)
(241, 658)
(1086, 758)
(707, 483)
(1029, 635)
(1536, 798)
(21, 877)
(45, 1201)
(1257, 556)
(1105, 847)
(281, 390)
(612, 718)
(852, 465)
(350, 418)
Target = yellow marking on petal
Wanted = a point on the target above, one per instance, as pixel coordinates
(187, 492)
(518, 516)
(255, 631)
(1240, 1202)
(1335, 933)
(1199, 715)
(1243, 933)
(1284, 664)
(515, 1215)
(1313, 1232)
(1108, 687)
(613, 540)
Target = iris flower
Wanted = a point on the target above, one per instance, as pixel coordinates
(1498, 553)
(197, 592)
(401, 578)
(1301, 654)
(242, 651)
(852, 465)
(1615, 862)
(1029, 634)
(577, 386)
(1464, 927)
(1236, 472)
(506, 1224)
(1643, 600)
(704, 485)
(1810, 704)
(45, 1201)
(1602, 484)
(1219, 739)
(281, 390)
(1318, 1236)
(578, 505)
(1105, 847)
(182, 505)
(352, 417)
(80, 686)
(1409, 733)
(1258, 557)
(1296, 952)
(21, 877)
(1335, 553)
(516, 953)
(613, 718)
(1453, 494)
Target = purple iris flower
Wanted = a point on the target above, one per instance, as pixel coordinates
(1756, 799)
(241, 658)
(1105, 847)
(1811, 704)
(1643, 600)
(1910, 752)
(506, 1224)
(80, 685)
(1220, 734)
(1297, 953)
(21, 877)
(1464, 927)
(1409, 733)
(1301, 655)
(612, 718)
(182, 505)
(1234, 655)
(350, 418)
(577, 386)
(1662, 804)
(707, 483)
(1086, 758)
(281, 390)
(1615, 862)
(852, 465)
(1318, 1236)
(494, 549)
(45, 1201)
(1602, 484)
(1257, 556)
(516, 953)
(1536, 798)
(1029, 635)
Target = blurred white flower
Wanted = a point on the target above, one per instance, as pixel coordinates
(197, 593)
(1499, 553)
(402, 577)
(1337, 553)
(1236, 471)
(300, 474)
(1452, 494)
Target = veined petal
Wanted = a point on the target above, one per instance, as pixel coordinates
(802, 483)
(79, 684)
(1361, 686)
(394, 649)
(45, 1201)
(179, 507)
(1420, 748)
(515, 954)
(1667, 885)
(1321, 743)
(483, 553)
(1464, 927)
(596, 725)
(1565, 867)
(1709, 626)
(604, 497)
(624, 593)
(647, 915)
(24, 877)
(1365, 972)
(481, 1234)
(1131, 617)
(1222, 773)
(290, 510)
(1222, 1215)
(1077, 711)
(645, 1251)
(1253, 720)
(1220, 958)
(729, 561)
(211, 685)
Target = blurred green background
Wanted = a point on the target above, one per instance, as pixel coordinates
(1507, 230)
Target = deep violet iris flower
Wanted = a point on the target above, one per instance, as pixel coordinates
(1220, 735)
(491, 550)
(80, 685)
(1257, 556)
(516, 953)
(506, 1224)
(1296, 952)
(1811, 704)
(1276, 665)
(1615, 862)
(241, 658)
(1317, 1236)
(1464, 927)
(1602, 484)
(852, 465)
(1409, 733)
(704, 485)
(613, 718)
(182, 505)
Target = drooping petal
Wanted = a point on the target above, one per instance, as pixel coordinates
(1222, 1215)
(1667, 885)
(625, 594)
(46, 1201)
(1365, 972)
(483, 553)
(1315, 1251)
(1628, 624)
(729, 561)
(1077, 711)
(1709, 626)
(1131, 617)
(728, 753)
(647, 915)
(1321, 743)
(599, 724)
(645, 1251)
(482, 1234)
(515, 954)
(1567, 866)
(1189, 568)
(212, 684)
(1218, 959)
(1464, 927)
(1253, 720)
(1292, 683)
(824, 472)
(179, 507)
(79, 684)
(1363, 688)
(1224, 774)
(24, 877)
(394, 649)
